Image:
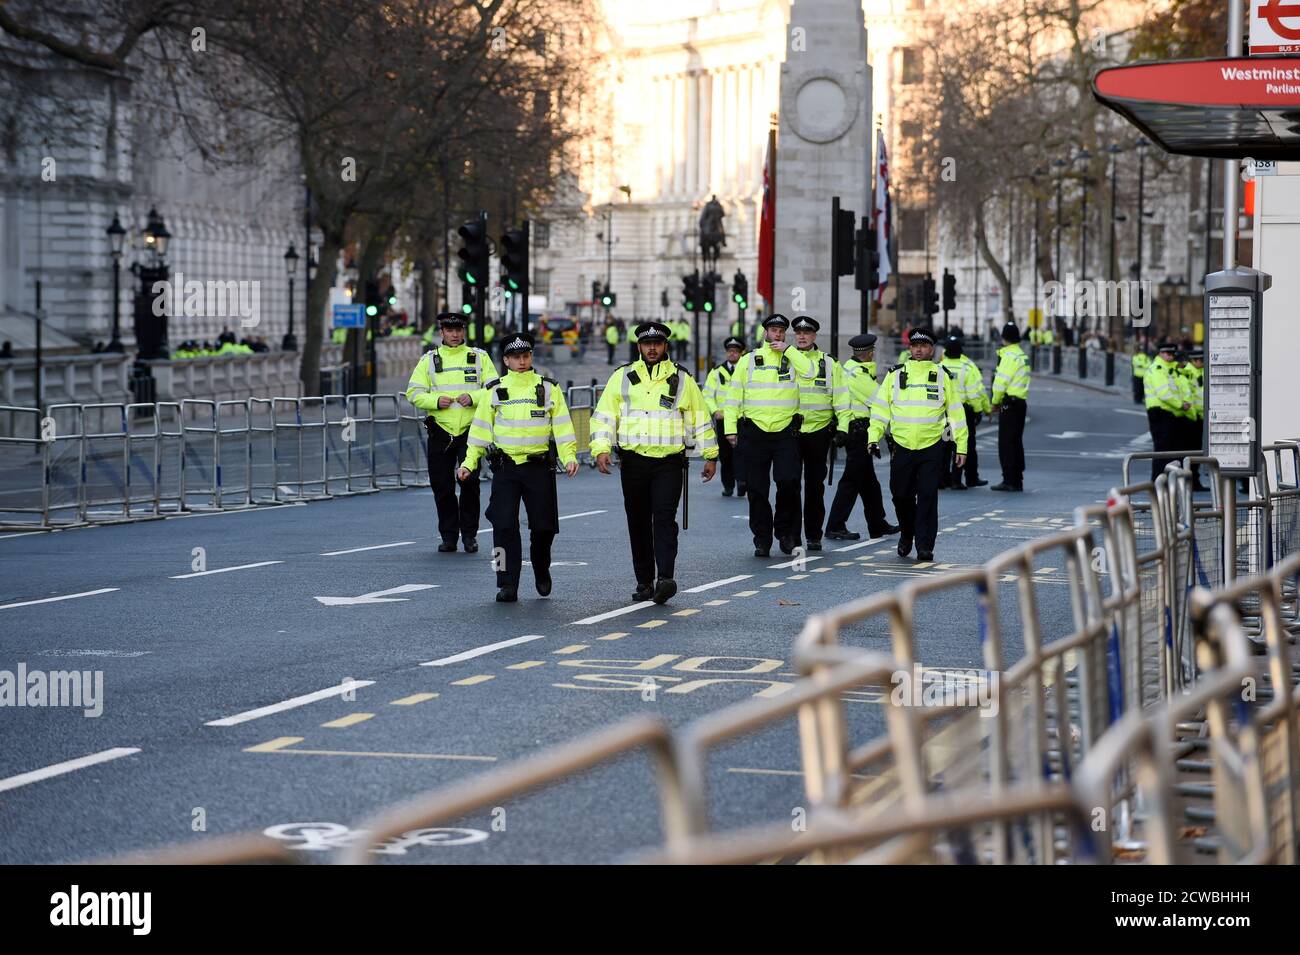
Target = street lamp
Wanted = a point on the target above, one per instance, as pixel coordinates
(417, 278)
(151, 329)
(1059, 166)
(1084, 157)
(290, 343)
(116, 238)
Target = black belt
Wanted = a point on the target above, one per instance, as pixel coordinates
(1006, 399)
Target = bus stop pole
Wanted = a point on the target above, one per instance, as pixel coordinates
(1230, 166)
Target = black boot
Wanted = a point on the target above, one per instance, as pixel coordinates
(904, 546)
(507, 595)
(471, 545)
(447, 547)
(543, 580)
(642, 593)
(664, 590)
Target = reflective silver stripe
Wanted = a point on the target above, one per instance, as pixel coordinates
(518, 441)
(792, 403)
(904, 419)
(562, 419)
(417, 390)
(656, 440)
(662, 414)
(478, 442)
(480, 423)
(603, 418)
(769, 385)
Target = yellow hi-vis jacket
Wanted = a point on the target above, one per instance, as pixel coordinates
(1161, 385)
(451, 372)
(716, 386)
(860, 377)
(918, 402)
(520, 413)
(970, 383)
(1195, 389)
(1011, 377)
(611, 334)
(682, 331)
(823, 398)
(765, 388)
(652, 411)
(1141, 362)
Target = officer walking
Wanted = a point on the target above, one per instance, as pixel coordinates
(446, 383)
(1141, 362)
(523, 416)
(1010, 400)
(716, 387)
(762, 419)
(611, 341)
(650, 409)
(859, 477)
(1165, 401)
(824, 406)
(975, 403)
(916, 402)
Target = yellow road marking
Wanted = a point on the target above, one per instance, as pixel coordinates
(1045, 570)
(572, 648)
(687, 612)
(845, 563)
(413, 699)
(775, 583)
(350, 720)
(744, 593)
(822, 570)
(716, 603)
(797, 577)
(471, 680)
(616, 635)
(651, 624)
(274, 745)
(923, 565)
(526, 665)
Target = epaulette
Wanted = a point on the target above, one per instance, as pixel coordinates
(949, 372)
(896, 367)
(493, 383)
(548, 378)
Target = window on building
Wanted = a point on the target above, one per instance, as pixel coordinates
(1156, 236)
(541, 282)
(913, 145)
(911, 229)
(913, 71)
(541, 235)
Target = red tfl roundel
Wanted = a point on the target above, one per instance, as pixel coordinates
(1275, 11)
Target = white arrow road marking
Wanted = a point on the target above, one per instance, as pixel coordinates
(376, 597)
(50, 600)
(297, 701)
(1069, 434)
(71, 765)
(479, 651)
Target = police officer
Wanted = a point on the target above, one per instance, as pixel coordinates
(916, 402)
(975, 403)
(524, 418)
(650, 410)
(762, 419)
(716, 386)
(1010, 401)
(1141, 362)
(824, 406)
(611, 341)
(1194, 372)
(446, 383)
(631, 342)
(859, 477)
(1165, 401)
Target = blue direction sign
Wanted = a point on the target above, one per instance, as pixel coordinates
(349, 316)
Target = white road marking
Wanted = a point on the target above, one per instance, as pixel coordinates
(791, 563)
(23, 534)
(569, 517)
(68, 766)
(226, 570)
(297, 701)
(1140, 414)
(860, 544)
(614, 613)
(357, 550)
(479, 651)
(376, 596)
(50, 600)
(717, 583)
(240, 510)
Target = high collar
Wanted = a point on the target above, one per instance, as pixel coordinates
(518, 376)
(656, 371)
(461, 346)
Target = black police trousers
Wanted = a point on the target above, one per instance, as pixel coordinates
(731, 461)
(652, 489)
(858, 481)
(914, 486)
(971, 469)
(532, 482)
(1139, 392)
(814, 448)
(1169, 432)
(771, 456)
(1011, 440)
(446, 454)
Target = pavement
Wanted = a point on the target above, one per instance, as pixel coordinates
(292, 669)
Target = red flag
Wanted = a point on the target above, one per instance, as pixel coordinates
(767, 224)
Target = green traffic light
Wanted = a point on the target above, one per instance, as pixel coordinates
(469, 277)
(392, 300)
(509, 294)
(371, 310)
(512, 285)
(467, 308)
(708, 306)
(690, 306)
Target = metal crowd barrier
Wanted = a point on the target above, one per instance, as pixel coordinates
(582, 402)
(81, 464)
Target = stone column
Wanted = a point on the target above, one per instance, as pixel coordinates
(823, 151)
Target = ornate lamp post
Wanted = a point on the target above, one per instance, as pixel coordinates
(116, 238)
(290, 343)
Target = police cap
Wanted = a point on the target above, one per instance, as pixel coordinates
(733, 342)
(518, 342)
(652, 331)
(451, 320)
(805, 323)
(862, 342)
(776, 321)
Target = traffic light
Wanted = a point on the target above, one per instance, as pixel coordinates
(845, 258)
(467, 298)
(690, 292)
(929, 297)
(867, 275)
(372, 299)
(707, 293)
(514, 261)
(949, 291)
(473, 253)
(608, 299)
(740, 289)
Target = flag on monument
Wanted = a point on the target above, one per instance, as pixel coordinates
(881, 215)
(767, 224)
